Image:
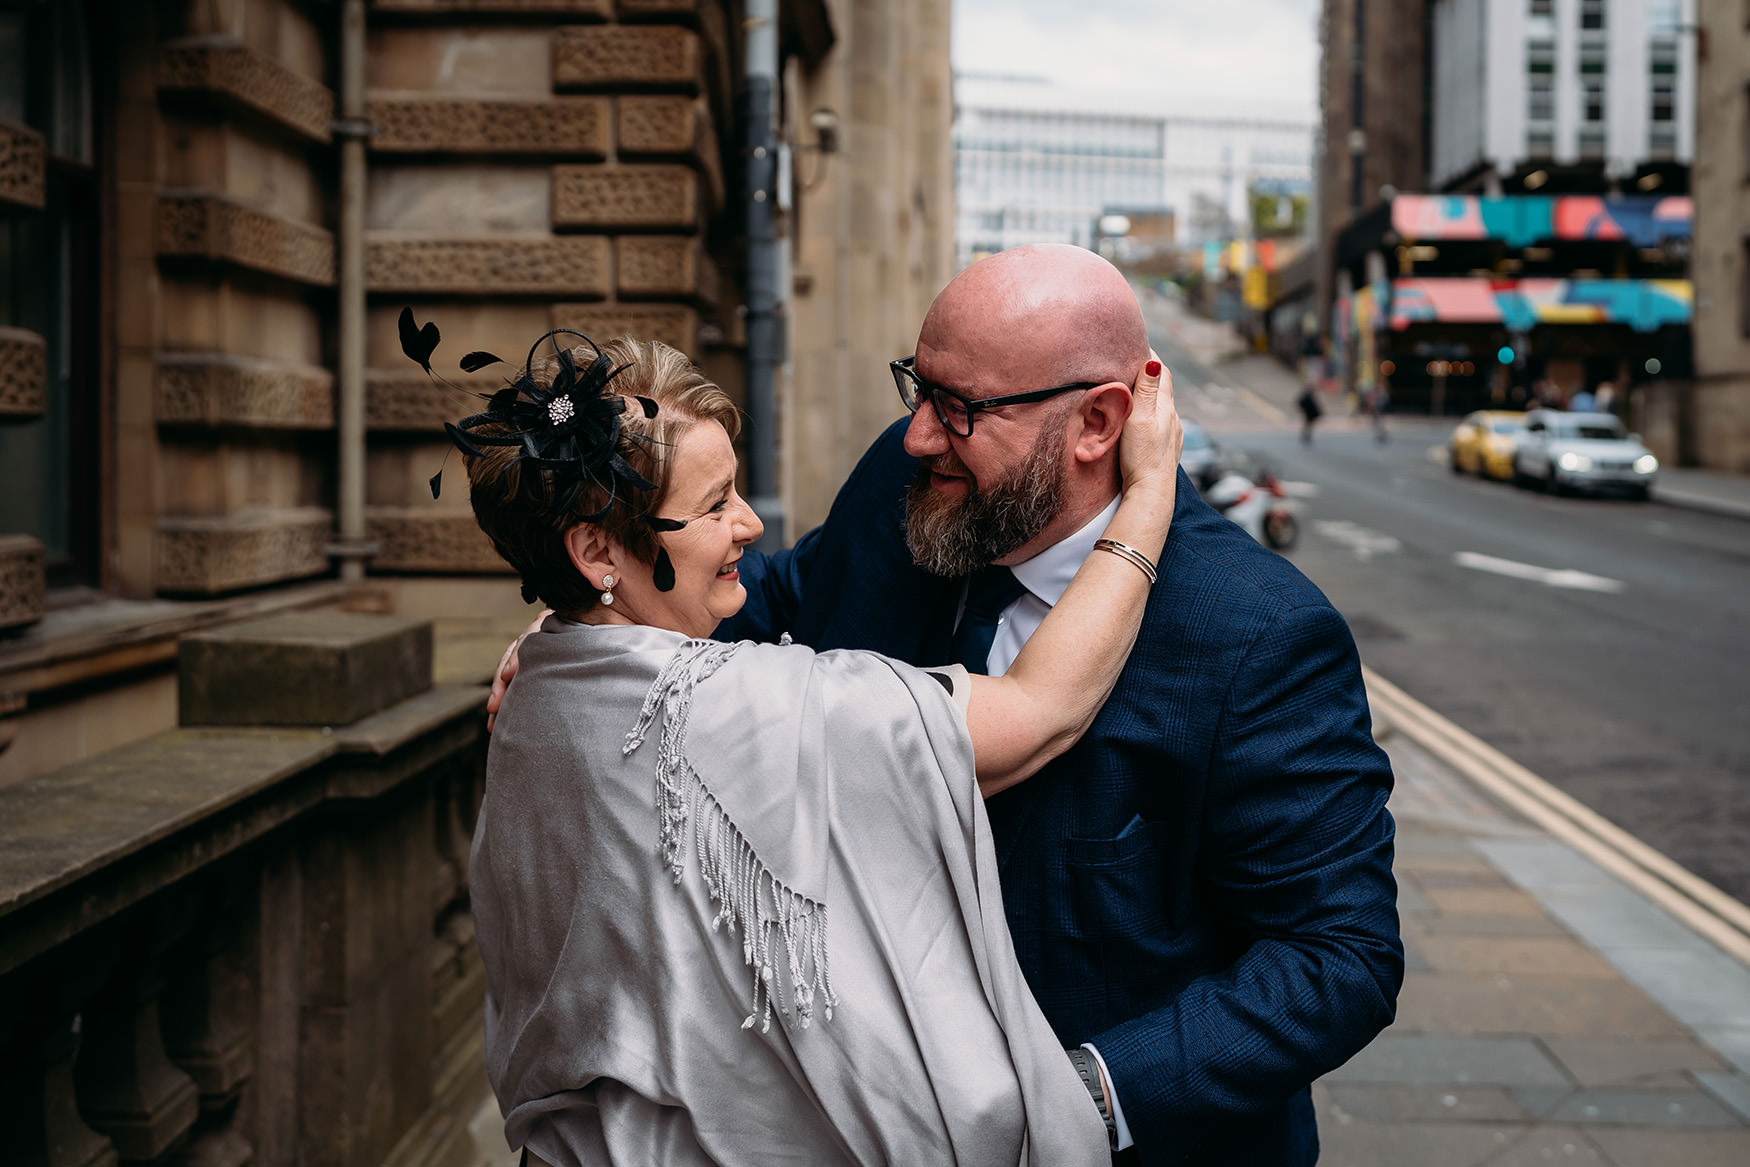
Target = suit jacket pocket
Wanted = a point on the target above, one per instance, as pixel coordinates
(1117, 889)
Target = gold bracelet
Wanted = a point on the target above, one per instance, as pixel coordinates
(1128, 553)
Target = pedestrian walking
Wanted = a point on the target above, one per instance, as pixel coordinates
(1377, 398)
(1310, 411)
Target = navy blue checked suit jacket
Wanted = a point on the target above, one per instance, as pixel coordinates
(1202, 886)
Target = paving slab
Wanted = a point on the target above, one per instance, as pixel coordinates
(1614, 1061)
(1466, 1003)
(1614, 917)
(1458, 1061)
(1731, 1042)
(1699, 987)
(1547, 1144)
(1672, 1147)
(1552, 955)
(1356, 1143)
(1692, 1107)
(1439, 924)
(1480, 901)
(1380, 1102)
(1732, 1089)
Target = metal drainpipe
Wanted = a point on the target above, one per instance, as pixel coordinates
(765, 339)
(352, 548)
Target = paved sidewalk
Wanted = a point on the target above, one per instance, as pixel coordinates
(1704, 490)
(1550, 1014)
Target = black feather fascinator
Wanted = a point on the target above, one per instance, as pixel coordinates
(569, 429)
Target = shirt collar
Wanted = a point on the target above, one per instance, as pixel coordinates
(1048, 573)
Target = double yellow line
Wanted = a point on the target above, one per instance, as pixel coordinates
(1698, 903)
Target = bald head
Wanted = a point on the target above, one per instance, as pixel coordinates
(1032, 317)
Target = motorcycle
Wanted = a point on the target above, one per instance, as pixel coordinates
(1262, 508)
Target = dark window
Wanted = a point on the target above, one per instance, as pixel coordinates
(1664, 101)
(1592, 101)
(1591, 14)
(1744, 290)
(1540, 98)
(1543, 7)
(48, 286)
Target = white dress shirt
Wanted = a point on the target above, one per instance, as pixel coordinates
(1046, 576)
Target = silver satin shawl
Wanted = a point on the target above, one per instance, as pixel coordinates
(668, 828)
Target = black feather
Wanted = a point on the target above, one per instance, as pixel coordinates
(417, 343)
(475, 361)
(648, 405)
(663, 574)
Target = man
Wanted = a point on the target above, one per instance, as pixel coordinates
(1200, 891)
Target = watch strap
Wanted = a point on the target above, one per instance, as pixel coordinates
(1089, 1070)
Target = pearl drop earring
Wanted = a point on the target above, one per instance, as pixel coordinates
(608, 590)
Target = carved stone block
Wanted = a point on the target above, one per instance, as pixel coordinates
(207, 555)
(671, 125)
(24, 371)
(638, 8)
(563, 125)
(571, 266)
(665, 266)
(671, 324)
(598, 8)
(219, 390)
(238, 73)
(414, 403)
(426, 539)
(611, 56)
(21, 580)
(301, 668)
(625, 196)
(21, 166)
(211, 227)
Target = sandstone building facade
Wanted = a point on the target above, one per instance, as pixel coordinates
(170, 339)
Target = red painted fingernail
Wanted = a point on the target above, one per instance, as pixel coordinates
(1153, 368)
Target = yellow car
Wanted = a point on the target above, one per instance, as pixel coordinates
(1484, 442)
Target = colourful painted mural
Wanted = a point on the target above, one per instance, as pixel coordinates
(1526, 220)
(1644, 305)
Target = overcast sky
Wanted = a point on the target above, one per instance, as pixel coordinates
(1210, 57)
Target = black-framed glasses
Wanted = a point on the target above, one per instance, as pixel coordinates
(956, 412)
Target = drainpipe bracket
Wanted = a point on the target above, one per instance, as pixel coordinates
(347, 549)
(348, 128)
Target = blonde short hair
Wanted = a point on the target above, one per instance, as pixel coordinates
(526, 513)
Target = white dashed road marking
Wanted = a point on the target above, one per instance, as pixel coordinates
(1548, 576)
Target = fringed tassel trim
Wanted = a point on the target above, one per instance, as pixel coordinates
(775, 922)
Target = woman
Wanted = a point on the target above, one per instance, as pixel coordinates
(669, 822)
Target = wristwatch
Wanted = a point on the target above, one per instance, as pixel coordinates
(1089, 1069)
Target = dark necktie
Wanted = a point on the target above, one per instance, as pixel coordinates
(990, 590)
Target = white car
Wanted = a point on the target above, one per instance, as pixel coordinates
(1582, 452)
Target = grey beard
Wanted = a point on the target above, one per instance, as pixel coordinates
(953, 539)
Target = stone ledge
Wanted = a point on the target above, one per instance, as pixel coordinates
(673, 325)
(651, 196)
(209, 226)
(511, 264)
(21, 580)
(602, 9)
(21, 167)
(665, 267)
(206, 555)
(302, 668)
(215, 389)
(671, 126)
(24, 372)
(657, 9)
(242, 75)
(620, 55)
(414, 403)
(426, 539)
(562, 125)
